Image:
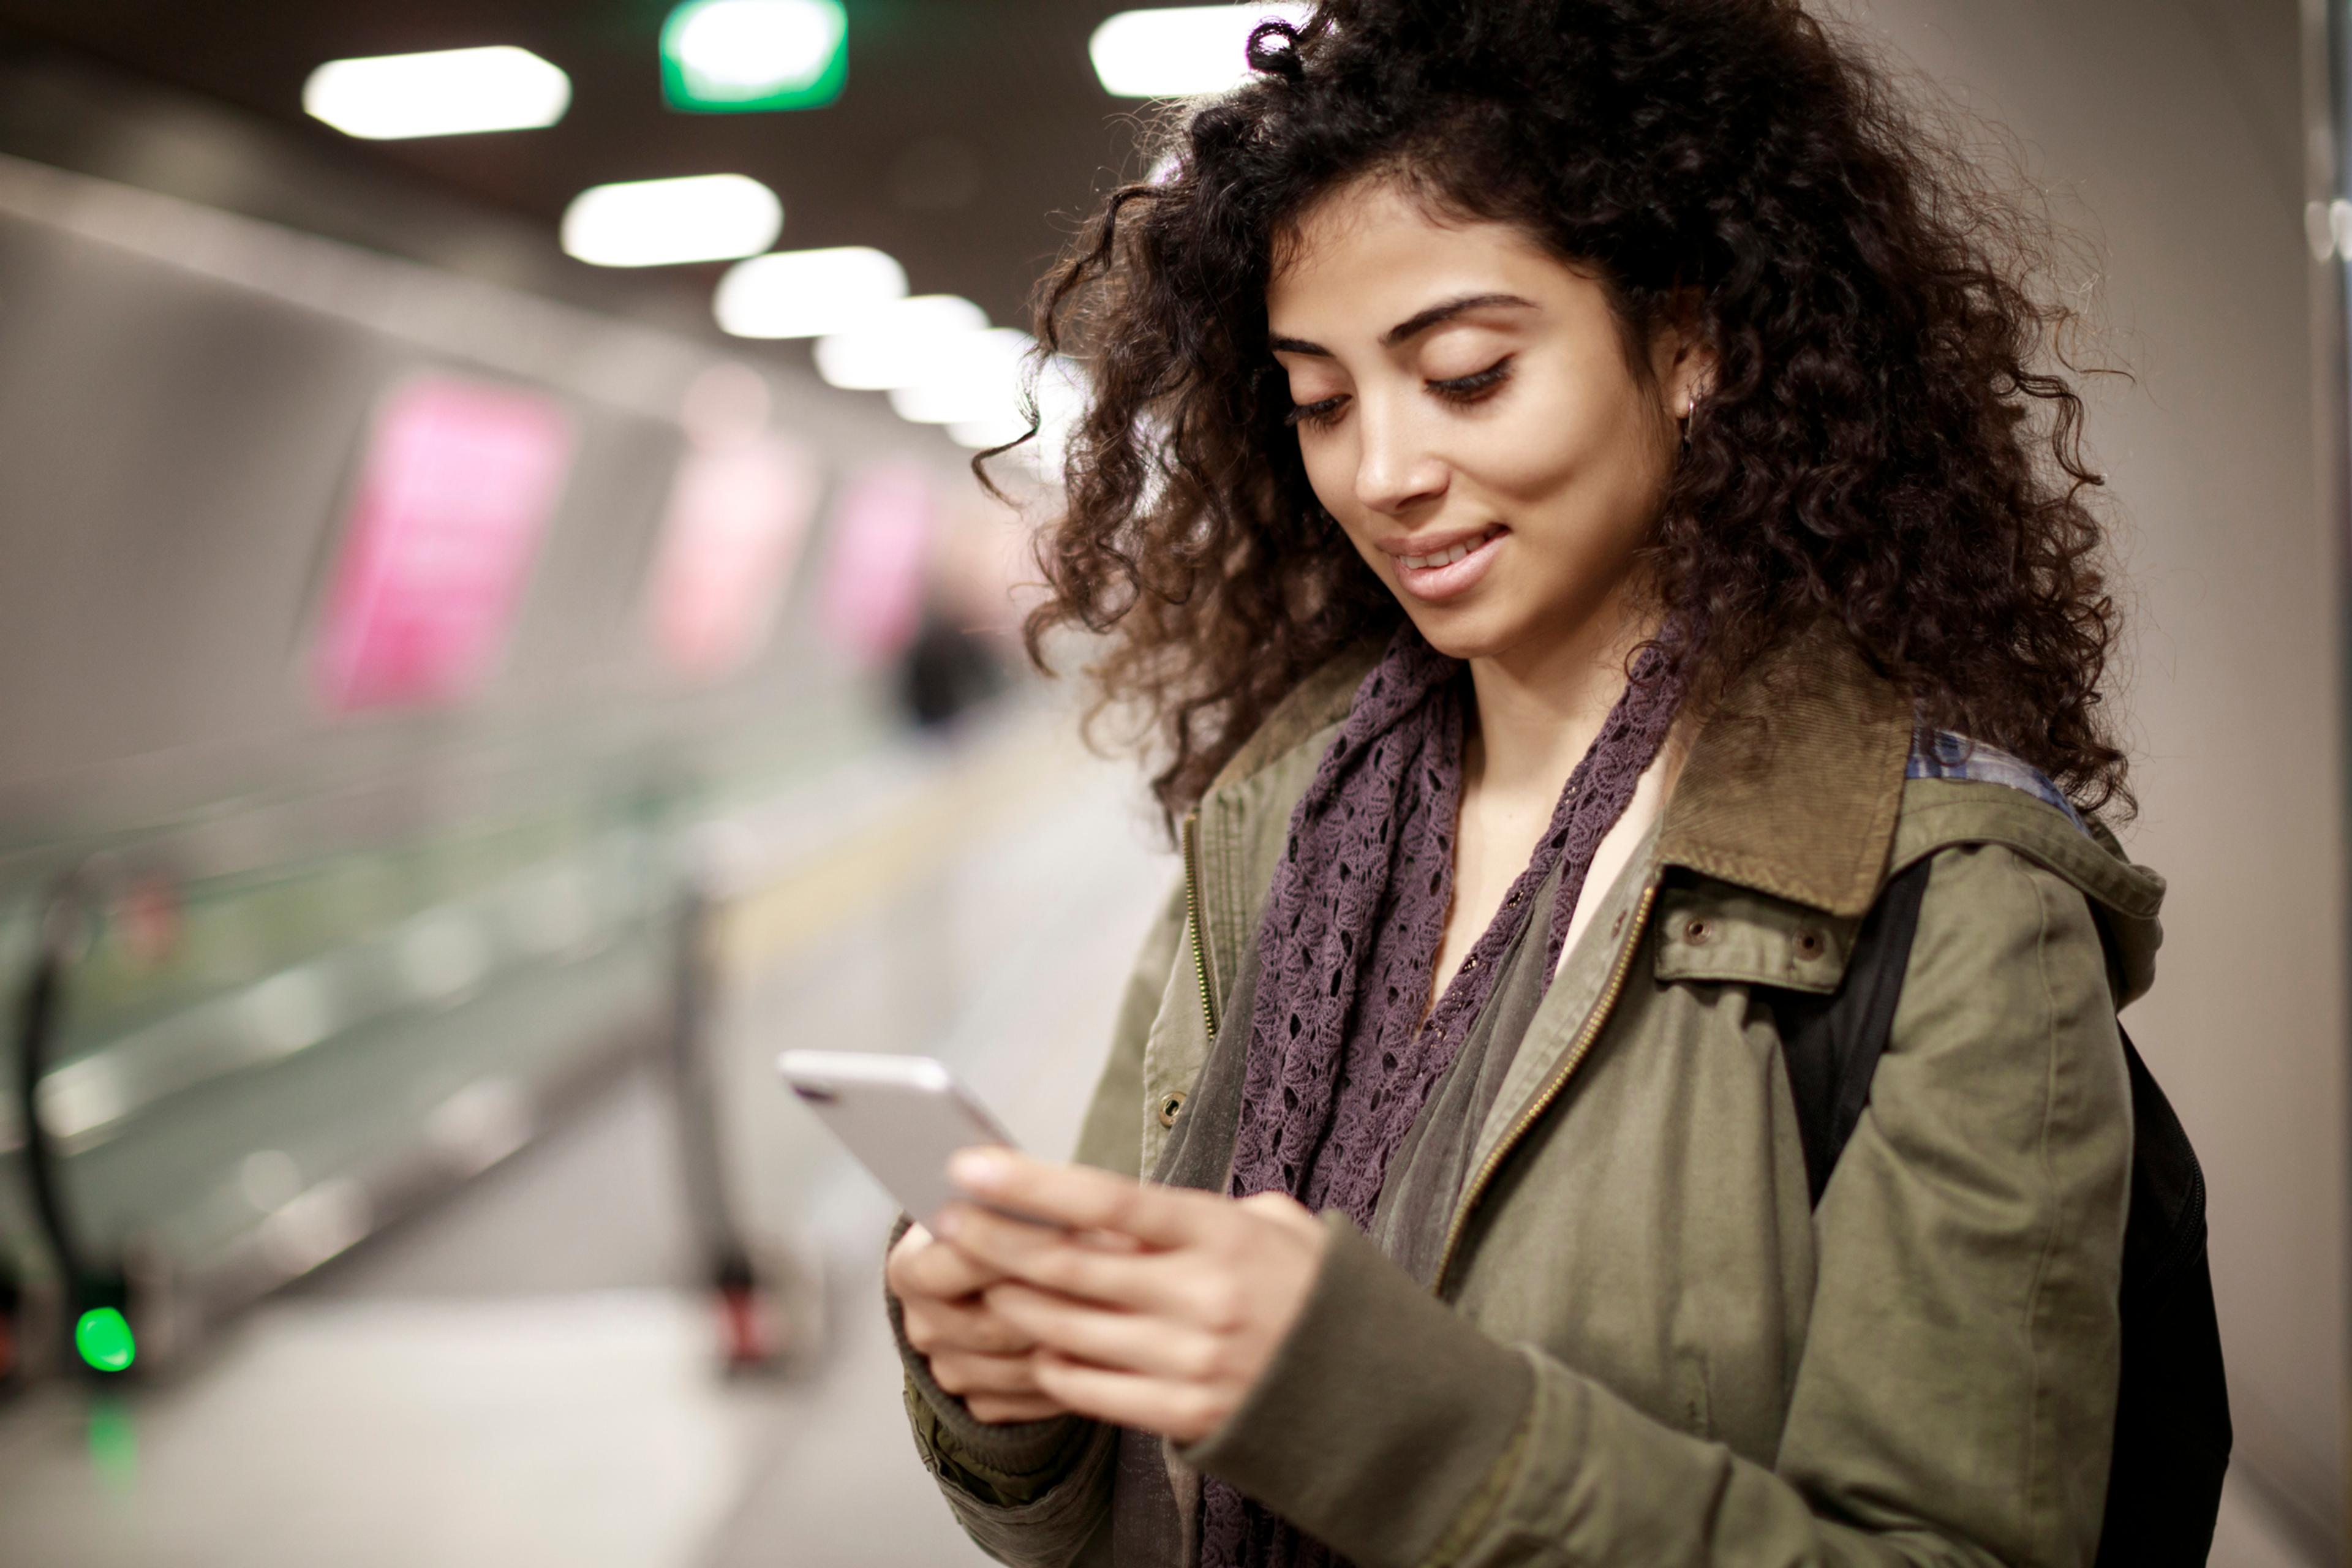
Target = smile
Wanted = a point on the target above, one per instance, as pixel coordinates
(1443, 574)
(1447, 557)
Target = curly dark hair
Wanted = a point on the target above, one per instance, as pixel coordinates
(1890, 440)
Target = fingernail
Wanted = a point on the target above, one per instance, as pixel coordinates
(977, 1170)
(947, 1224)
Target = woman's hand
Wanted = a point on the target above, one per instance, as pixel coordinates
(1149, 1306)
(974, 1353)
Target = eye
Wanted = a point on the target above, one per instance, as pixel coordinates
(1322, 413)
(1472, 387)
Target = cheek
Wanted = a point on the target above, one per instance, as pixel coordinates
(1578, 450)
(1329, 459)
(1331, 470)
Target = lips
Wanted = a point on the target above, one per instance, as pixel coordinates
(1441, 574)
(1447, 557)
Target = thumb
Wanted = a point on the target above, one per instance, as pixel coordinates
(1281, 1208)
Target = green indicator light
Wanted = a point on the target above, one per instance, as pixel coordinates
(736, 57)
(104, 1339)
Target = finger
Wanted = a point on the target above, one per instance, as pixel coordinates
(1284, 1210)
(1123, 1341)
(933, 1326)
(997, 1409)
(1056, 1261)
(964, 1374)
(940, 1271)
(1083, 1199)
(1187, 1411)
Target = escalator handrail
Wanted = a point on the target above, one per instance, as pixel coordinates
(38, 1010)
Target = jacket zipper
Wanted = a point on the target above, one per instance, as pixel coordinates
(1551, 1090)
(1186, 836)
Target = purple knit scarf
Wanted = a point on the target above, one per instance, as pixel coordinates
(1341, 1059)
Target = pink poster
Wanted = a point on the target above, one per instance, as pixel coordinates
(737, 517)
(456, 492)
(874, 575)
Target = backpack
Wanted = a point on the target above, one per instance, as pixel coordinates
(2172, 1409)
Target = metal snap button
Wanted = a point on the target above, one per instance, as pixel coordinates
(1809, 944)
(1169, 1106)
(1697, 932)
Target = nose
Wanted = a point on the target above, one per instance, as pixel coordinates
(1397, 469)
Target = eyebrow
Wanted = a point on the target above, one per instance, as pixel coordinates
(1412, 326)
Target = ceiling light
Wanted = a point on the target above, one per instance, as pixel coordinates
(974, 376)
(1061, 391)
(1182, 50)
(900, 344)
(448, 92)
(999, 430)
(806, 293)
(722, 57)
(656, 222)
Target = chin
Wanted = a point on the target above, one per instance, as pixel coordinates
(1465, 631)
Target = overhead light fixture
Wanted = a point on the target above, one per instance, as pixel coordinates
(997, 430)
(900, 344)
(806, 293)
(447, 92)
(974, 376)
(732, 57)
(659, 223)
(1061, 391)
(1179, 51)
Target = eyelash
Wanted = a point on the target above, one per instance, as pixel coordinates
(1463, 389)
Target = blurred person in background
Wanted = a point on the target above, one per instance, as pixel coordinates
(1582, 490)
(957, 660)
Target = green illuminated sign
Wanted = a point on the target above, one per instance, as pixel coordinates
(104, 1339)
(736, 57)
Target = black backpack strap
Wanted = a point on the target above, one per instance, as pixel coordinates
(1831, 1044)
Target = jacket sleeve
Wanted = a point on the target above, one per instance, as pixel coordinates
(1039, 1492)
(1955, 1400)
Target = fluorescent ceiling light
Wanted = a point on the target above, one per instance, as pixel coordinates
(974, 375)
(731, 56)
(955, 404)
(1061, 401)
(997, 431)
(898, 344)
(449, 92)
(656, 223)
(806, 293)
(1181, 51)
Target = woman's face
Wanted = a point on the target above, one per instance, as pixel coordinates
(1466, 411)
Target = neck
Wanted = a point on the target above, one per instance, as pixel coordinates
(1538, 710)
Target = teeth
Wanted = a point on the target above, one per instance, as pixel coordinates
(1445, 557)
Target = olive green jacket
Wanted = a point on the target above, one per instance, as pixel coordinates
(1646, 1346)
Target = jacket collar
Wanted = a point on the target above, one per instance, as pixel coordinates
(1792, 788)
(1794, 783)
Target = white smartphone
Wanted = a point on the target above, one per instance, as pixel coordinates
(903, 1117)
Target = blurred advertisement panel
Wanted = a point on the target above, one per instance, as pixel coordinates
(738, 514)
(875, 571)
(454, 496)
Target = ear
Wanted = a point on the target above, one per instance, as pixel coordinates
(1681, 359)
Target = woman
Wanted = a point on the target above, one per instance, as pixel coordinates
(1578, 490)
